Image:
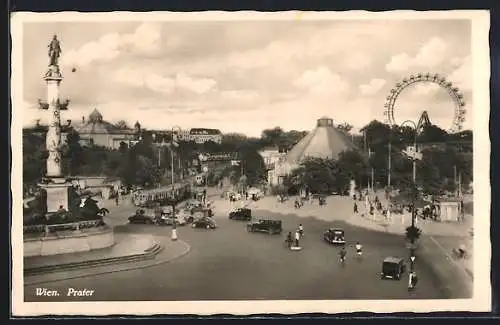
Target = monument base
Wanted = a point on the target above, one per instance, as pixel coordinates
(57, 194)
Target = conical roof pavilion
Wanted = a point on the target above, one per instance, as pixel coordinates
(325, 141)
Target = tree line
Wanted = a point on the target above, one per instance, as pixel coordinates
(146, 163)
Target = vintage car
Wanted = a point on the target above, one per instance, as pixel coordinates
(141, 217)
(184, 214)
(269, 226)
(205, 222)
(169, 220)
(241, 214)
(334, 236)
(393, 268)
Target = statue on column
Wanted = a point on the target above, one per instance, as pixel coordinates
(54, 51)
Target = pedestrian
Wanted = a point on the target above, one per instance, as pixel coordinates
(117, 199)
(412, 280)
(289, 239)
(355, 208)
(297, 238)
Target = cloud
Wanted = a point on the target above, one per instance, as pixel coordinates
(430, 55)
(372, 87)
(462, 76)
(358, 61)
(145, 40)
(143, 78)
(240, 95)
(322, 81)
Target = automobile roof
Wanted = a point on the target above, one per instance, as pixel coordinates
(392, 259)
(336, 229)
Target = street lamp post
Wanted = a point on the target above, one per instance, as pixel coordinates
(414, 190)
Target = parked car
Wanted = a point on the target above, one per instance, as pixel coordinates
(393, 268)
(141, 217)
(269, 226)
(201, 212)
(241, 214)
(169, 220)
(184, 214)
(205, 222)
(335, 236)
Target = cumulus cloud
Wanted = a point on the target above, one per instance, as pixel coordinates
(358, 61)
(322, 81)
(240, 95)
(462, 76)
(144, 40)
(430, 55)
(181, 81)
(372, 87)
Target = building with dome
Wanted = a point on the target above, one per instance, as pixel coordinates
(94, 130)
(325, 141)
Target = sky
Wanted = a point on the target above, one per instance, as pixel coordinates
(246, 76)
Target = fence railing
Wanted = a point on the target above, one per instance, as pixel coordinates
(73, 226)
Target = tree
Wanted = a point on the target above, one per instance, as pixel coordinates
(352, 165)
(432, 133)
(344, 127)
(146, 171)
(34, 157)
(73, 156)
(272, 137)
(122, 125)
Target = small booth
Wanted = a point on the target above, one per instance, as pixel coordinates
(450, 211)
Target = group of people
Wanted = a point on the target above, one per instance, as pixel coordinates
(343, 252)
(294, 240)
(299, 202)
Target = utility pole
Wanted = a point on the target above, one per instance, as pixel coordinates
(172, 165)
(460, 185)
(455, 179)
(389, 166)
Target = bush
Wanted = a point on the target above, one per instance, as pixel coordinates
(413, 233)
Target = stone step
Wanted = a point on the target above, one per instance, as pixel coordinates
(150, 253)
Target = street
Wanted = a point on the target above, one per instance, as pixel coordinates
(230, 264)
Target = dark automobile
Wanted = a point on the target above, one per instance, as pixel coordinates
(334, 236)
(141, 217)
(269, 226)
(393, 268)
(205, 222)
(241, 214)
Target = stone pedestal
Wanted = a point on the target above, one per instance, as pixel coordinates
(58, 194)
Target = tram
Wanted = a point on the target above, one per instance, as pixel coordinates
(162, 196)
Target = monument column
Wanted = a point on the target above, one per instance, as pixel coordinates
(55, 184)
(53, 79)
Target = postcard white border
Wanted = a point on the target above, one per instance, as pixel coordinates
(481, 300)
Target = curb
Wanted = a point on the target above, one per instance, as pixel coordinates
(448, 257)
(186, 250)
(148, 253)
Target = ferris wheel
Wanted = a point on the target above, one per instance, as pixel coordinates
(453, 91)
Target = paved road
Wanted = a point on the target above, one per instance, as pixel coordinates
(231, 264)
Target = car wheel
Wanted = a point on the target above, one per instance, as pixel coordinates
(193, 225)
(208, 227)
